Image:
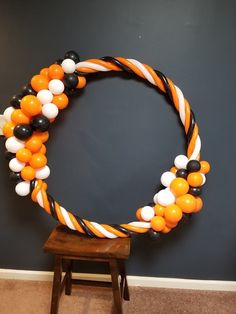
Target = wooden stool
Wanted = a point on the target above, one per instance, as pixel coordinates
(68, 245)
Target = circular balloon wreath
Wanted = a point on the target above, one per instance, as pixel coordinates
(25, 125)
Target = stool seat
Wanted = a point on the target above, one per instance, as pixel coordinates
(68, 242)
(67, 245)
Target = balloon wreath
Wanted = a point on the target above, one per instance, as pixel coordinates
(25, 126)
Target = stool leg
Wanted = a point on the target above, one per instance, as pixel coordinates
(56, 288)
(115, 285)
(68, 270)
(124, 278)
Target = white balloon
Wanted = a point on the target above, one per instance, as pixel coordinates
(13, 144)
(167, 177)
(23, 188)
(164, 197)
(42, 173)
(68, 66)
(181, 162)
(50, 111)
(15, 165)
(7, 113)
(56, 87)
(2, 122)
(204, 178)
(147, 213)
(45, 96)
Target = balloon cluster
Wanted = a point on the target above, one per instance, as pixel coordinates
(183, 187)
(26, 122)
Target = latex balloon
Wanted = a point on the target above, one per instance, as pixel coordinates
(23, 188)
(31, 105)
(72, 55)
(195, 191)
(40, 123)
(39, 82)
(164, 197)
(158, 223)
(179, 186)
(23, 131)
(173, 213)
(8, 112)
(28, 90)
(13, 144)
(56, 87)
(153, 234)
(181, 161)
(182, 173)
(193, 166)
(45, 96)
(70, 80)
(50, 111)
(167, 177)
(55, 71)
(42, 173)
(68, 66)
(15, 165)
(15, 101)
(147, 213)
(15, 176)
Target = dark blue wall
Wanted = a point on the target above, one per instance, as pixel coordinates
(108, 150)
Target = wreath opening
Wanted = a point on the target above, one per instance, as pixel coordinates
(25, 126)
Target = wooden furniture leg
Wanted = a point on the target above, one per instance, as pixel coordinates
(114, 269)
(68, 270)
(56, 289)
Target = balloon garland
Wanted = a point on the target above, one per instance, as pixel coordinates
(25, 125)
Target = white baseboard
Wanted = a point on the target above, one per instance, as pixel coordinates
(154, 282)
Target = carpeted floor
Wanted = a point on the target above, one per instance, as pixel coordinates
(30, 297)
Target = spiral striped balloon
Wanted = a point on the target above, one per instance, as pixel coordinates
(182, 183)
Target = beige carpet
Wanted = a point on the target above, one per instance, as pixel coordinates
(29, 297)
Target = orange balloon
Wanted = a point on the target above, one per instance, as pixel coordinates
(33, 144)
(159, 210)
(138, 214)
(31, 105)
(23, 155)
(55, 71)
(173, 213)
(173, 170)
(199, 204)
(179, 186)
(18, 117)
(171, 224)
(39, 82)
(187, 203)
(44, 72)
(43, 136)
(38, 160)
(61, 101)
(8, 128)
(43, 149)
(27, 173)
(166, 230)
(158, 223)
(195, 179)
(81, 82)
(205, 167)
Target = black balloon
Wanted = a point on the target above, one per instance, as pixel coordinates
(15, 101)
(28, 90)
(59, 61)
(15, 176)
(193, 166)
(72, 55)
(182, 173)
(40, 123)
(9, 155)
(153, 234)
(195, 191)
(23, 131)
(71, 92)
(70, 81)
